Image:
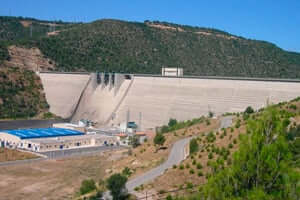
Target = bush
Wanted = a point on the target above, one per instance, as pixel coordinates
(126, 172)
(187, 165)
(192, 171)
(210, 155)
(159, 139)
(249, 110)
(234, 141)
(207, 122)
(172, 122)
(200, 173)
(116, 184)
(87, 186)
(199, 166)
(174, 166)
(238, 123)
(181, 167)
(194, 162)
(194, 147)
(230, 146)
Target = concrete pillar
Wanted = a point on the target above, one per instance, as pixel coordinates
(119, 79)
(111, 81)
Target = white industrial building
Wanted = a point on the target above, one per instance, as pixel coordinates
(51, 139)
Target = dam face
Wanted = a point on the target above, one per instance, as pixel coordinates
(154, 100)
(63, 91)
(160, 98)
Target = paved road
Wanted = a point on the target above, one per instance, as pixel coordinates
(175, 157)
(226, 122)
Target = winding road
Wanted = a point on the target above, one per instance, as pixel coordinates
(175, 157)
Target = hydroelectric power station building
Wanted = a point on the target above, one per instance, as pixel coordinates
(51, 139)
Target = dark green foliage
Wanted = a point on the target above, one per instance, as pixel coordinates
(87, 186)
(174, 125)
(172, 122)
(126, 172)
(200, 173)
(159, 139)
(210, 137)
(97, 196)
(20, 94)
(113, 45)
(210, 155)
(199, 166)
(249, 110)
(116, 185)
(261, 167)
(3, 53)
(238, 123)
(194, 146)
(192, 171)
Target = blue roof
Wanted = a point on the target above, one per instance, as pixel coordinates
(42, 132)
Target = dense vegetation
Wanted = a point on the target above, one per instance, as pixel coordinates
(264, 166)
(112, 45)
(21, 93)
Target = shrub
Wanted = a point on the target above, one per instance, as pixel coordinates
(126, 172)
(238, 123)
(293, 106)
(174, 166)
(87, 186)
(194, 147)
(210, 155)
(169, 197)
(230, 145)
(187, 165)
(159, 139)
(181, 167)
(116, 184)
(207, 122)
(194, 162)
(189, 185)
(249, 110)
(200, 173)
(199, 166)
(234, 141)
(231, 129)
(192, 171)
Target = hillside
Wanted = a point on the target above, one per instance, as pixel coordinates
(21, 94)
(119, 46)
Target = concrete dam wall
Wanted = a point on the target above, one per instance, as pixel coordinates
(63, 91)
(157, 99)
(154, 100)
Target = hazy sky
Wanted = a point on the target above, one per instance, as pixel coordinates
(277, 21)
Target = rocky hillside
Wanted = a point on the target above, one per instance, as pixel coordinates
(21, 94)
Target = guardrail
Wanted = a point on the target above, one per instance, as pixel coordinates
(222, 78)
(195, 77)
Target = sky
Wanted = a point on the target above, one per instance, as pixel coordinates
(276, 21)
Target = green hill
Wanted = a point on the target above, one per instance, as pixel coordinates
(21, 94)
(119, 46)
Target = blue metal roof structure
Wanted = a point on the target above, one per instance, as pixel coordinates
(42, 132)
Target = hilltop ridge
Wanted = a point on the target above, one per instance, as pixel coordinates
(120, 46)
